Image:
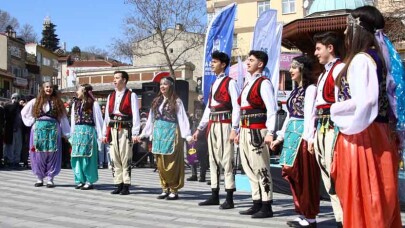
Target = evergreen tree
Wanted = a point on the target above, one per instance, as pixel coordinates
(49, 39)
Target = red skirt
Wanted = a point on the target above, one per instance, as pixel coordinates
(365, 170)
(304, 178)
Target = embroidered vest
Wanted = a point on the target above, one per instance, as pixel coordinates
(222, 96)
(328, 92)
(295, 103)
(51, 113)
(83, 116)
(167, 113)
(125, 105)
(253, 97)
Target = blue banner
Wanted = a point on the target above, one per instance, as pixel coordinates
(219, 37)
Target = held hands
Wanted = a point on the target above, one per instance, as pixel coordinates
(311, 149)
(232, 136)
(104, 140)
(236, 139)
(268, 139)
(195, 135)
(275, 144)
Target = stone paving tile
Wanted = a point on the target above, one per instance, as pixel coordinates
(23, 205)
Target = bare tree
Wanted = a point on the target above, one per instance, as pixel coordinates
(93, 52)
(7, 20)
(122, 49)
(28, 34)
(167, 28)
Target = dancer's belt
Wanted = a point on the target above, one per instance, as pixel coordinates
(253, 118)
(221, 116)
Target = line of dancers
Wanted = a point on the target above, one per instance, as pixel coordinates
(337, 129)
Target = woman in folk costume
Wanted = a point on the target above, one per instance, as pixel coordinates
(365, 166)
(86, 129)
(300, 168)
(167, 123)
(47, 116)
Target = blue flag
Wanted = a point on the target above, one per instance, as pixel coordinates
(267, 38)
(219, 37)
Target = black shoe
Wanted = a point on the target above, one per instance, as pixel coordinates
(79, 186)
(227, 205)
(192, 178)
(265, 212)
(202, 179)
(39, 184)
(87, 187)
(163, 195)
(257, 204)
(172, 196)
(212, 200)
(118, 189)
(50, 185)
(208, 182)
(125, 190)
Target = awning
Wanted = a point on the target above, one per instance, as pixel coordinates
(298, 34)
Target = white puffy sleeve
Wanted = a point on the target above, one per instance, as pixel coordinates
(72, 118)
(281, 132)
(354, 115)
(98, 119)
(65, 126)
(26, 113)
(309, 118)
(182, 119)
(148, 128)
(267, 93)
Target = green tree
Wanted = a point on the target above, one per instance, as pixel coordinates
(49, 39)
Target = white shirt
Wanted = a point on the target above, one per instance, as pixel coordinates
(354, 115)
(134, 107)
(233, 92)
(322, 79)
(29, 119)
(182, 121)
(267, 94)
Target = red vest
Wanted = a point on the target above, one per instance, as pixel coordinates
(328, 92)
(254, 98)
(222, 96)
(125, 106)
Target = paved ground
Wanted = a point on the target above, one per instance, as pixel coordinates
(23, 205)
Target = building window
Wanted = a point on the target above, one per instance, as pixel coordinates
(288, 6)
(262, 6)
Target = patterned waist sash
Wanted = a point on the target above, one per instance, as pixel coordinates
(164, 136)
(45, 135)
(292, 142)
(82, 141)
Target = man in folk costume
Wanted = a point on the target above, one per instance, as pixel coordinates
(258, 112)
(327, 50)
(120, 129)
(222, 116)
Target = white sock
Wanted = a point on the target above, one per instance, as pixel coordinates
(172, 194)
(39, 180)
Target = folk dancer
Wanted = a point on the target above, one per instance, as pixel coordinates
(86, 130)
(120, 129)
(222, 117)
(47, 116)
(167, 124)
(258, 110)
